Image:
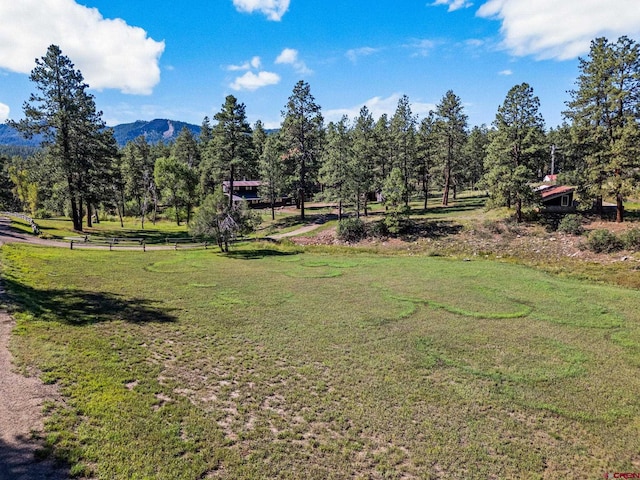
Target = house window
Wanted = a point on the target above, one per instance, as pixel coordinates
(565, 201)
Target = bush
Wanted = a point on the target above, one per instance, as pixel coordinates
(493, 226)
(603, 241)
(571, 224)
(42, 214)
(378, 229)
(351, 230)
(631, 239)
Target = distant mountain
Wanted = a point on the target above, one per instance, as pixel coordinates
(155, 131)
(10, 136)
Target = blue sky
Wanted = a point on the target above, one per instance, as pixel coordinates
(165, 59)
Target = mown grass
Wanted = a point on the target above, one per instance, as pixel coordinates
(59, 228)
(272, 363)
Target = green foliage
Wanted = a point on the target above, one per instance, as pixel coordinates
(603, 241)
(302, 135)
(215, 219)
(80, 146)
(451, 128)
(516, 150)
(378, 229)
(394, 194)
(351, 230)
(176, 182)
(604, 115)
(631, 239)
(229, 154)
(572, 224)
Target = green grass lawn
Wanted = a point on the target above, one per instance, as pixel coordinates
(271, 363)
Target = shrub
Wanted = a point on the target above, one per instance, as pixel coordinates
(42, 214)
(603, 241)
(351, 230)
(571, 224)
(378, 229)
(493, 226)
(631, 239)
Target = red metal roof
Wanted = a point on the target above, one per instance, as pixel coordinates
(554, 191)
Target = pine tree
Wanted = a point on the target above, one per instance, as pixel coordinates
(517, 150)
(426, 153)
(363, 158)
(229, 154)
(65, 114)
(302, 133)
(403, 141)
(336, 173)
(272, 171)
(451, 126)
(604, 113)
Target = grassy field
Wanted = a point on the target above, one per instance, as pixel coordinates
(274, 363)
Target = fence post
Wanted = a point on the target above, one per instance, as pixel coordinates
(71, 245)
(110, 246)
(144, 246)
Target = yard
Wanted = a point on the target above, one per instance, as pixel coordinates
(275, 363)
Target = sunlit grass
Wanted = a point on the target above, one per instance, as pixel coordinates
(272, 363)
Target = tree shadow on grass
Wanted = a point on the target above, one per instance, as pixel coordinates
(21, 462)
(79, 307)
(430, 229)
(257, 253)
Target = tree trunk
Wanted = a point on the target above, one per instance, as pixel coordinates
(519, 211)
(89, 220)
(445, 195)
(301, 195)
(340, 210)
(231, 174)
(619, 208)
(120, 215)
(273, 210)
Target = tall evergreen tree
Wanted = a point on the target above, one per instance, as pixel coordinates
(272, 171)
(403, 140)
(605, 111)
(363, 158)
(517, 148)
(137, 172)
(452, 133)
(302, 133)
(229, 154)
(475, 152)
(336, 173)
(382, 158)
(65, 114)
(426, 153)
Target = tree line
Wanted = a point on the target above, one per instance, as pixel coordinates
(393, 159)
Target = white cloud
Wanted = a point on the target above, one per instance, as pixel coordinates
(289, 56)
(273, 9)
(561, 30)
(250, 81)
(422, 47)
(255, 62)
(356, 53)
(4, 112)
(378, 106)
(453, 4)
(506, 72)
(108, 52)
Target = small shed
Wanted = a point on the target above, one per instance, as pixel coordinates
(558, 199)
